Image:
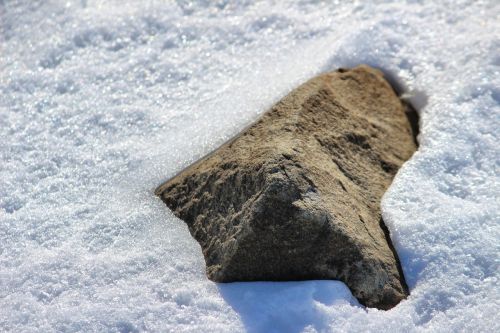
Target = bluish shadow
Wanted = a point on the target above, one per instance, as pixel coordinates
(285, 306)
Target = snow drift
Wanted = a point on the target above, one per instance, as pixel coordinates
(97, 98)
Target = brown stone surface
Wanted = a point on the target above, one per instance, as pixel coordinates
(296, 196)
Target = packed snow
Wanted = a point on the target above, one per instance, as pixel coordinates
(102, 101)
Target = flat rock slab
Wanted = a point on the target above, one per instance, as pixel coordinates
(296, 196)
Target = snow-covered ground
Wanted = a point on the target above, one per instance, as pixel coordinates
(102, 101)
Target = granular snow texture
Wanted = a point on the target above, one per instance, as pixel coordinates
(101, 102)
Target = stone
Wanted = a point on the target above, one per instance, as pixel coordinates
(296, 196)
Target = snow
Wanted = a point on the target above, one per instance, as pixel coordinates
(102, 101)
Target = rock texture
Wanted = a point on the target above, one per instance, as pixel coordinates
(296, 196)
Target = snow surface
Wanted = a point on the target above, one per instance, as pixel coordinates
(101, 102)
